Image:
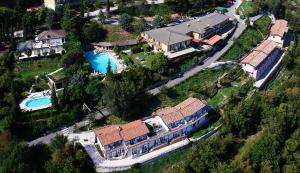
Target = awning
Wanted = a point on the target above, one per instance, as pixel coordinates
(213, 40)
(195, 40)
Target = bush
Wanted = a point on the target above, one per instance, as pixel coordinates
(146, 47)
(117, 50)
(126, 22)
(136, 49)
(28, 52)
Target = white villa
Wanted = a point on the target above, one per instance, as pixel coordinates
(165, 127)
(45, 42)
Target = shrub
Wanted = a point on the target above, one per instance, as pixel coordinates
(146, 47)
(136, 49)
(117, 50)
(28, 52)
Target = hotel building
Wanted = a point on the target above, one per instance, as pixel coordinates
(166, 126)
(203, 30)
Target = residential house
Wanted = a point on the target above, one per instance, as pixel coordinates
(166, 126)
(47, 42)
(261, 59)
(203, 30)
(279, 31)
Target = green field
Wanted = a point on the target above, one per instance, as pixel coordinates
(32, 68)
(263, 24)
(248, 39)
(191, 87)
(247, 8)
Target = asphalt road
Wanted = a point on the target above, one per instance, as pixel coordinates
(104, 112)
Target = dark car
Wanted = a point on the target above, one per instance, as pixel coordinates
(200, 63)
(177, 75)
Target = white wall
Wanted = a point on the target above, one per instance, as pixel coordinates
(250, 70)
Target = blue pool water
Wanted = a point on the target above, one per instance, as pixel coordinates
(100, 61)
(33, 103)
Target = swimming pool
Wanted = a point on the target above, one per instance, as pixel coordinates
(38, 102)
(100, 61)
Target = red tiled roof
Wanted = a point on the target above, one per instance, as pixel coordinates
(126, 132)
(109, 134)
(260, 53)
(190, 106)
(169, 115)
(279, 28)
(133, 130)
(213, 40)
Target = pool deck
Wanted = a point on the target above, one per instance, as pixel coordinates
(35, 95)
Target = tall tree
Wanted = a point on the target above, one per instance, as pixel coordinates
(126, 22)
(107, 8)
(54, 99)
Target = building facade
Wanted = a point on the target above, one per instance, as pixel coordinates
(47, 41)
(166, 126)
(182, 36)
(261, 59)
(279, 31)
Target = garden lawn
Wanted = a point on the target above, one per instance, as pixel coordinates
(247, 8)
(206, 128)
(32, 68)
(162, 164)
(222, 95)
(263, 24)
(116, 33)
(191, 87)
(248, 40)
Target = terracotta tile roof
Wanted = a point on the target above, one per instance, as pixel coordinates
(190, 106)
(260, 53)
(169, 115)
(279, 28)
(133, 130)
(126, 132)
(109, 134)
(213, 40)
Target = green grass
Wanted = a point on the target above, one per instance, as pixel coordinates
(116, 33)
(191, 87)
(32, 68)
(109, 120)
(162, 164)
(247, 40)
(247, 8)
(263, 24)
(206, 128)
(59, 75)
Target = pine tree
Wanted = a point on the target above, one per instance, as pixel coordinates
(54, 99)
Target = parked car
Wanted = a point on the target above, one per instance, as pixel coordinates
(200, 63)
(177, 75)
